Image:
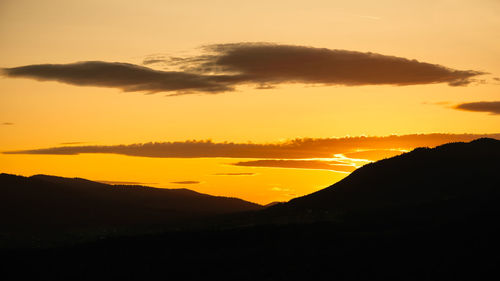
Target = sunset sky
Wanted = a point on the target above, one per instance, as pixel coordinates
(261, 100)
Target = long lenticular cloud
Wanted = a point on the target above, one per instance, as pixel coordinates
(266, 63)
(305, 148)
(125, 76)
(222, 67)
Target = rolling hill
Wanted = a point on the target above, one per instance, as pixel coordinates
(48, 203)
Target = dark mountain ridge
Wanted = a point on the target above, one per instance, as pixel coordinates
(462, 176)
(50, 203)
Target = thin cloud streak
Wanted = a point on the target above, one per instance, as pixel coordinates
(304, 148)
(373, 155)
(299, 164)
(492, 107)
(222, 67)
(185, 182)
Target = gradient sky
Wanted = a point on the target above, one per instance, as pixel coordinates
(459, 35)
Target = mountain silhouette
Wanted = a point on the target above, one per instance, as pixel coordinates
(44, 202)
(454, 179)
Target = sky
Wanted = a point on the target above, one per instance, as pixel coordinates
(261, 100)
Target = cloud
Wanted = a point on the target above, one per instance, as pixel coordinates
(234, 174)
(299, 164)
(373, 155)
(148, 61)
(492, 107)
(302, 148)
(185, 182)
(7, 123)
(72, 143)
(222, 67)
(273, 64)
(124, 76)
(437, 103)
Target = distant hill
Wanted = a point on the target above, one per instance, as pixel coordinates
(450, 180)
(44, 202)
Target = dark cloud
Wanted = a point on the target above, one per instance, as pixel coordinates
(304, 148)
(152, 61)
(124, 76)
(224, 66)
(234, 174)
(265, 63)
(7, 123)
(185, 182)
(492, 107)
(299, 164)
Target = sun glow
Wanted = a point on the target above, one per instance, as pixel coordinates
(96, 73)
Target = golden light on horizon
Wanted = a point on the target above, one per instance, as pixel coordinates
(334, 69)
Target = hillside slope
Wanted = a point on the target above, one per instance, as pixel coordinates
(451, 179)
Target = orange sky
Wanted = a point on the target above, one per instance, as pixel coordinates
(460, 35)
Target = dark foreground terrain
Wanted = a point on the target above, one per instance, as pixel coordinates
(431, 214)
(319, 251)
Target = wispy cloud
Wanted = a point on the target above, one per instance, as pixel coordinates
(304, 148)
(7, 123)
(153, 60)
(373, 155)
(492, 107)
(224, 66)
(185, 182)
(299, 164)
(438, 103)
